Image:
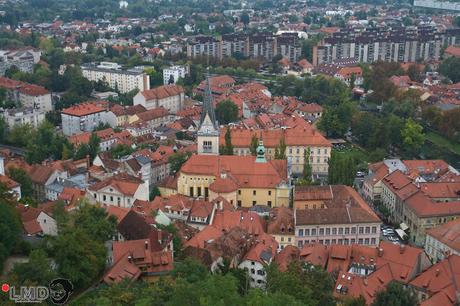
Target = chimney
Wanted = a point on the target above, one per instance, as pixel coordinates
(365, 281)
(160, 237)
(146, 242)
(380, 252)
(402, 248)
(130, 258)
(437, 272)
(26, 207)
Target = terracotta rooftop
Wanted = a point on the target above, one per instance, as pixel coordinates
(345, 207)
(441, 282)
(85, 109)
(246, 172)
(122, 182)
(281, 221)
(162, 92)
(300, 135)
(448, 234)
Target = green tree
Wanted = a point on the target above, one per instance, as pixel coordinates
(342, 169)
(227, 148)
(95, 222)
(37, 271)
(450, 68)
(245, 18)
(280, 150)
(154, 192)
(20, 135)
(177, 160)
(10, 225)
(307, 174)
(3, 131)
(78, 257)
(22, 177)
(226, 112)
(396, 295)
(254, 144)
(412, 136)
(308, 284)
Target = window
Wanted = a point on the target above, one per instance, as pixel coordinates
(307, 232)
(300, 233)
(111, 198)
(253, 271)
(254, 203)
(361, 230)
(368, 230)
(366, 241)
(269, 192)
(253, 192)
(352, 240)
(313, 231)
(104, 197)
(353, 230)
(373, 241)
(191, 191)
(347, 230)
(239, 203)
(269, 203)
(261, 272)
(334, 231)
(360, 241)
(340, 230)
(374, 229)
(321, 231)
(328, 231)
(239, 192)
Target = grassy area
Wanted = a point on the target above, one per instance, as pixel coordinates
(361, 156)
(443, 142)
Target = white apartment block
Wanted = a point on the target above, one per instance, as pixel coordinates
(123, 80)
(85, 117)
(21, 116)
(174, 72)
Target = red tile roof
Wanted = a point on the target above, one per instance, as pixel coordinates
(244, 169)
(297, 136)
(25, 88)
(441, 282)
(448, 234)
(86, 108)
(452, 50)
(162, 92)
(122, 182)
(345, 206)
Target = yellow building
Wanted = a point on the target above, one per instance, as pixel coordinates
(282, 226)
(299, 140)
(244, 181)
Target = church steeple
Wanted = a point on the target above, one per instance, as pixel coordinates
(208, 132)
(260, 152)
(208, 105)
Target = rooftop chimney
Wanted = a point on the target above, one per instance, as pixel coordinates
(437, 272)
(380, 252)
(402, 248)
(146, 244)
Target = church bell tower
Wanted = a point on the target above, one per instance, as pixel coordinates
(208, 132)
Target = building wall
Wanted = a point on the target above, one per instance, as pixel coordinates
(284, 240)
(245, 197)
(418, 225)
(47, 224)
(359, 233)
(75, 125)
(319, 157)
(436, 250)
(256, 272)
(42, 102)
(125, 82)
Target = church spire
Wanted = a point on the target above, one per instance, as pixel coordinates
(208, 106)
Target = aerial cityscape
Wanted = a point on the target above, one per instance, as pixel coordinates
(230, 152)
